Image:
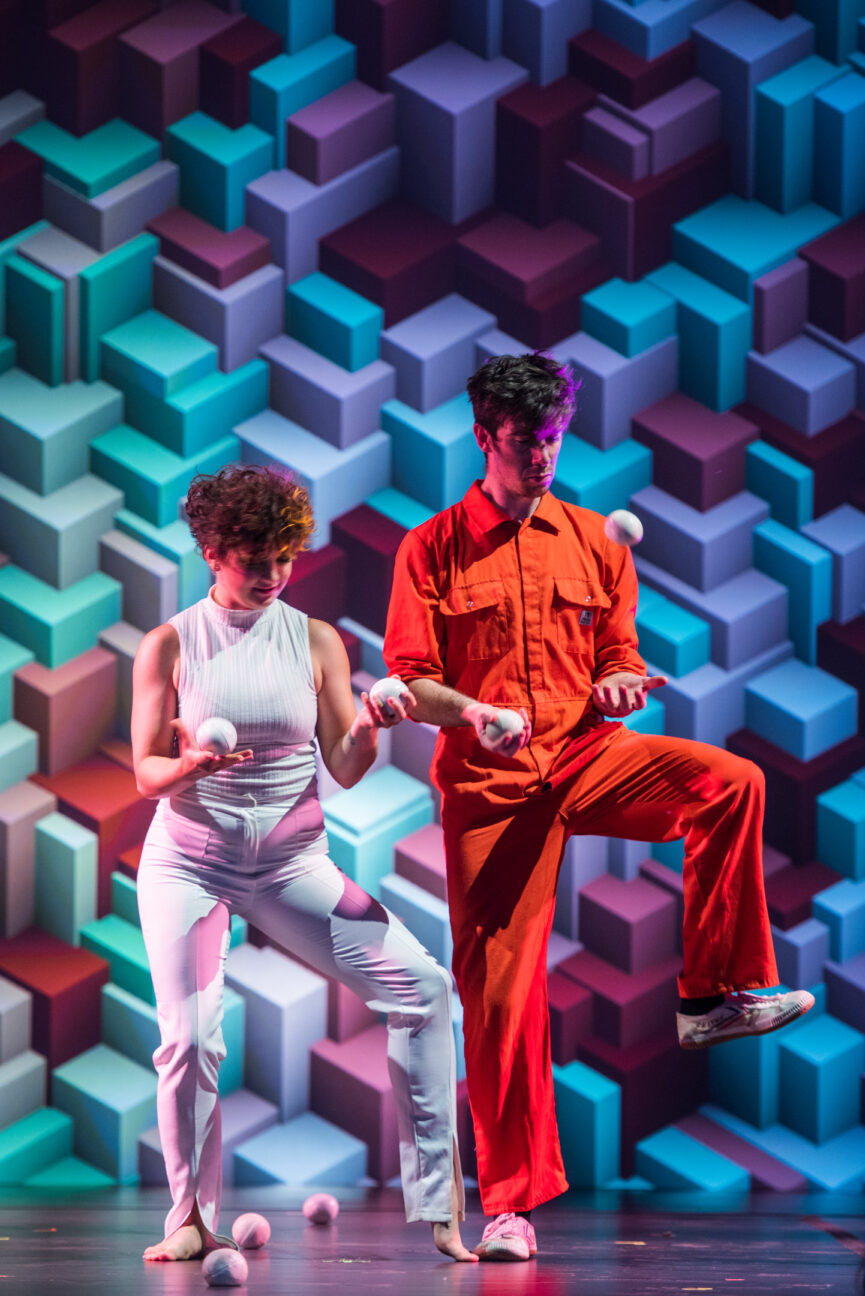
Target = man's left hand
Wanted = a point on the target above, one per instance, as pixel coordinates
(620, 694)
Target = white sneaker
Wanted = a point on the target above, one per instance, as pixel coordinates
(740, 1015)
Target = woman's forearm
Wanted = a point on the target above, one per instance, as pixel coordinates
(161, 776)
(352, 755)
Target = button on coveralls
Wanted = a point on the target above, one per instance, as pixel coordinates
(530, 614)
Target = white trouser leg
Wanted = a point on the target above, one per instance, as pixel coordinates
(186, 934)
(313, 909)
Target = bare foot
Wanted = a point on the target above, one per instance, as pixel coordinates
(183, 1244)
(447, 1235)
(447, 1239)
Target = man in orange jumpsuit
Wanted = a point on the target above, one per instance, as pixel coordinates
(512, 599)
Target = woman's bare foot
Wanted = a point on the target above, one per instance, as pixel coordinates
(447, 1239)
(447, 1235)
(183, 1244)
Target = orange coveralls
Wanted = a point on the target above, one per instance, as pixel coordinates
(530, 614)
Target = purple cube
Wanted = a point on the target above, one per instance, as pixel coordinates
(630, 924)
(339, 131)
(780, 305)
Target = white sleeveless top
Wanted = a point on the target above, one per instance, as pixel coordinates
(253, 668)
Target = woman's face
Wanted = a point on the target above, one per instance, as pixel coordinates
(245, 583)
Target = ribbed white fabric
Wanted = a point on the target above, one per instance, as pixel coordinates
(254, 669)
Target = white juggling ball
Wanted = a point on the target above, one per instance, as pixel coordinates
(321, 1208)
(225, 1268)
(250, 1231)
(506, 722)
(385, 689)
(216, 735)
(623, 528)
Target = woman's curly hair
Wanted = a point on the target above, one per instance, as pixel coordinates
(249, 509)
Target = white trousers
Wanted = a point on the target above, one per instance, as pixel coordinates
(195, 873)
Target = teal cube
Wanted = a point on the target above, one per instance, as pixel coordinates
(806, 570)
(12, 657)
(121, 944)
(842, 908)
(298, 22)
(34, 318)
(802, 709)
(629, 317)
(820, 1069)
(19, 753)
(155, 353)
(94, 162)
(835, 26)
(7, 250)
(45, 431)
(114, 289)
(65, 876)
(8, 352)
(839, 159)
(732, 242)
(743, 1078)
(70, 1175)
(124, 898)
(672, 1159)
(786, 485)
(715, 330)
(588, 1113)
(331, 319)
(111, 1100)
(785, 132)
(204, 411)
(365, 822)
(650, 719)
(34, 1143)
(400, 508)
(57, 625)
(435, 455)
(601, 480)
(153, 479)
(673, 640)
(671, 853)
(289, 82)
(841, 829)
(216, 164)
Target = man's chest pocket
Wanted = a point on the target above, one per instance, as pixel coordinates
(577, 605)
(476, 622)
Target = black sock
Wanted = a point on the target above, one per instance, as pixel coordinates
(527, 1215)
(697, 1007)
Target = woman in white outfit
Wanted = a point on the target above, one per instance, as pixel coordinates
(244, 833)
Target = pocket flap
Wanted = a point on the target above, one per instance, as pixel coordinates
(581, 592)
(471, 598)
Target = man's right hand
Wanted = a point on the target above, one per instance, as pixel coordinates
(479, 715)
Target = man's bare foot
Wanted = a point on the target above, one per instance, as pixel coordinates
(183, 1244)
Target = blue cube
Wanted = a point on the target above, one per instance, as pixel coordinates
(841, 829)
(800, 708)
(820, 1068)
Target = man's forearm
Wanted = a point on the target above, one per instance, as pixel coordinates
(437, 704)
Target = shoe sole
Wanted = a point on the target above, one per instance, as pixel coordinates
(500, 1252)
(775, 1024)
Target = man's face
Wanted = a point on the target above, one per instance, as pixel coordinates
(521, 463)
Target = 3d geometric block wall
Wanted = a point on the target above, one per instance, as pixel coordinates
(287, 231)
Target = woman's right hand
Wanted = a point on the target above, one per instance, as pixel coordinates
(196, 761)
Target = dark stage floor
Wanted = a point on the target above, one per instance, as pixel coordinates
(603, 1244)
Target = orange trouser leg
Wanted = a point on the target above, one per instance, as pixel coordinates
(648, 788)
(502, 871)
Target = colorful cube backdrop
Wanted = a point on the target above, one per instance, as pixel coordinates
(287, 231)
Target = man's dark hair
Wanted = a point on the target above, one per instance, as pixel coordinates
(533, 390)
